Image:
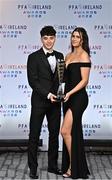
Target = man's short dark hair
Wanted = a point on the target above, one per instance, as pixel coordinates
(48, 31)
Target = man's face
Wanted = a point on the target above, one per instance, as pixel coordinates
(48, 42)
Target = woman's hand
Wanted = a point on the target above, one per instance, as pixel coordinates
(67, 96)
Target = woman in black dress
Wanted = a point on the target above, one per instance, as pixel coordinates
(77, 72)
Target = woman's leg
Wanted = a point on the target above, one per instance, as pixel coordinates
(66, 131)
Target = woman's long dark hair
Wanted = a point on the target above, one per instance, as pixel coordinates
(85, 39)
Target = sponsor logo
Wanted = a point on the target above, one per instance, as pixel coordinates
(93, 89)
(12, 31)
(28, 48)
(11, 70)
(104, 30)
(25, 89)
(85, 10)
(94, 49)
(64, 31)
(105, 70)
(103, 109)
(23, 127)
(12, 110)
(90, 129)
(34, 10)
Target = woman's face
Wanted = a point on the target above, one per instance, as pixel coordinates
(76, 39)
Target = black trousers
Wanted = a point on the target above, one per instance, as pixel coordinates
(53, 114)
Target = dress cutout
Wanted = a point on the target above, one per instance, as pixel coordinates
(77, 103)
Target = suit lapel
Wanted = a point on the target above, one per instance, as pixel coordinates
(45, 60)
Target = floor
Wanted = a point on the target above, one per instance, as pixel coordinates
(13, 165)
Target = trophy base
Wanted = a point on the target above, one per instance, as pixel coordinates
(60, 98)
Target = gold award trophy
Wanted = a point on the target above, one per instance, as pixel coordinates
(60, 69)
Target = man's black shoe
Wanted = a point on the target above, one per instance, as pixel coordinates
(55, 171)
(33, 176)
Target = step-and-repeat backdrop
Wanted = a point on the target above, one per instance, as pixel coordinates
(20, 24)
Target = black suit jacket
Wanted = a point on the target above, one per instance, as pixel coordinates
(40, 77)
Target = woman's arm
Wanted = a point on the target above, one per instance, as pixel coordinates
(85, 71)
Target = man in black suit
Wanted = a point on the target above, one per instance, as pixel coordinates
(43, 79)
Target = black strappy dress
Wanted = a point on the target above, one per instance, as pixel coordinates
(77, 104)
